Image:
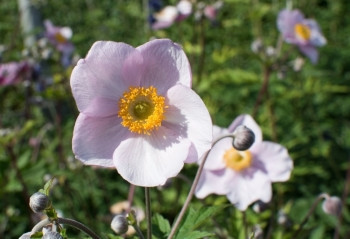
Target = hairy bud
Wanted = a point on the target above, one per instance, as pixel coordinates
(332, 205)
(119, 224)
(25, 235)
(38, 202)
(244, 138)
(52, 235)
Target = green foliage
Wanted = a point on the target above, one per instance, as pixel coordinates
(307, 111)
(194, 219)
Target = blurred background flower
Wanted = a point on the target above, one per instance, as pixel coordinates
(297, 30)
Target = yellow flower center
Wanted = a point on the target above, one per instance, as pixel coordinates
(237, 160)
(60, 38)
(302, 31)
(141, 109)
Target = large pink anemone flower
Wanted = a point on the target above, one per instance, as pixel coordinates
(138, 112)
(305, 33)
(244, 176)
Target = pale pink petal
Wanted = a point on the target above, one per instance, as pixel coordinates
(133, 69)
(95, 139)
(286, 21)
(316, 38)
(213, 162)
(311, 52)
(275, 161)
(100, 73)
(166, 65)
(102, 107)
(214, 182)
(187, 110)
(150, 160)
(218, 132)
(248, 121)
(215, 158)
(248, 187)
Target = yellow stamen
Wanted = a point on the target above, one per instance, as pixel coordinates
(141, 109)
(237, 160)
(60, 38)
(302, 31)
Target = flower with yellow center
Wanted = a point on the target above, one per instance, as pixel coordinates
(138, 112)
(237, 160)
(243, 176)
(302, 31)
(60, 38)
(141, 109)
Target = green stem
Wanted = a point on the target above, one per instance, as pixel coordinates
(263, 89)
(245, 225)
(148, 213)
(193, 188)
(344, 198)
(309, 213)
(138, 231)
(66, 221)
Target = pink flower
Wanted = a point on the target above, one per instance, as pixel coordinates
(138, 112)
(305, 33)
(168, 15)
(14, 72)
(211, 11)
(243, 176)
(60, 37)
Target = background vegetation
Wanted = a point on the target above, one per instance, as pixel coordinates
(308, 111)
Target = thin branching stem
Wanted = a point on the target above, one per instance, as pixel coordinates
(308, 215)
(193, 188)
(66, 221)
(245, 224)
(343, 200)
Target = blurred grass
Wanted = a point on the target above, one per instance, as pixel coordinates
(311, 108)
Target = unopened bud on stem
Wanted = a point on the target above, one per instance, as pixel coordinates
(52, 235)
(38, 202)
(119, 224)
(332, 205)
(243, 138)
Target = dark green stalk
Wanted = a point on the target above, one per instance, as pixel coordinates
(148, 213)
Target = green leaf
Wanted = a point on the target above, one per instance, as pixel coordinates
(47, 187)
(197, 235)
(37, 235)
(195, 218)
(161, 226)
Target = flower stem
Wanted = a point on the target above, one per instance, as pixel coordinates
(263, 89)
(148, 213)
(245, 225)
(309, 213)
(193, 188)
(344, 198)
(69, 222)
(138, 231)
(131, 196)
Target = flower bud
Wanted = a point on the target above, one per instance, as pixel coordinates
(257, 46)
(332, 205)
(244, 138)
(52, 235)
(119, 224)
(25, 235)
(38, 202)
